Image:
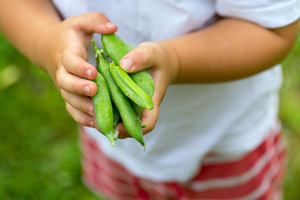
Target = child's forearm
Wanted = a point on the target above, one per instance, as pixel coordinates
(34, 27)
(24, 23)
(228, 50)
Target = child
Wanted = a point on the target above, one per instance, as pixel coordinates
(213, 133)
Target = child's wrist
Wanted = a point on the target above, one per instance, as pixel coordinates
(46, 46)
(172, 62)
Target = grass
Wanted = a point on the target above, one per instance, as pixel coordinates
(290, 116)
(39, 154)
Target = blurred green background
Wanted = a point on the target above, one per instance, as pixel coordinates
(39, 154)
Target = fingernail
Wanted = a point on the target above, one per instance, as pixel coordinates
(91, 108)
(127, 64)
(87, 90)
(89, 73)
(109, 25)
(91, 123)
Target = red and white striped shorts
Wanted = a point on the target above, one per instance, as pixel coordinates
(255, 176)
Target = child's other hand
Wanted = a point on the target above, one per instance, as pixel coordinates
(65, 58)
(162, 62)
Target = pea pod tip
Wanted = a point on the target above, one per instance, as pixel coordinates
(116, 133)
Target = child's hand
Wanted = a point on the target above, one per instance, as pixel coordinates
(163, 65)
(65, 58)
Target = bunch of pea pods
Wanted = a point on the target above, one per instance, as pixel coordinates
(120, 96)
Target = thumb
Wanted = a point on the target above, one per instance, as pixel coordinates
(94, 22)
(142, 57)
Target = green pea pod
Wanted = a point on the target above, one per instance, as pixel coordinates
(130, 88)
(103, 109)
(116, 120)
(117, 49)
(147, 86)
(130, 120)
(116, 116)
(142, 79)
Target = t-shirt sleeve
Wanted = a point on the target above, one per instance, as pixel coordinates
(266, 13)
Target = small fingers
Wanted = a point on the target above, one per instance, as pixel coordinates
(79, 102)
(95, 22)
(75, 64)
(79, 116)
(123, 134)
(75, 84)
(141, 57)
(149, 119)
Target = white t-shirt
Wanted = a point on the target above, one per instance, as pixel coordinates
(228, 119)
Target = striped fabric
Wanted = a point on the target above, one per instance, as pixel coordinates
(255, 176)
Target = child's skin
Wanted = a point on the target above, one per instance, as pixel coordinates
(228, 50)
